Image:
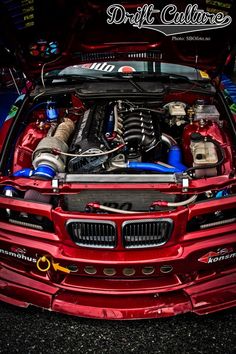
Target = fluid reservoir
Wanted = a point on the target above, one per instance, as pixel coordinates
(204, 154)
(216, 133)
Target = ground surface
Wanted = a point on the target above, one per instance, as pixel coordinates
(35, 331)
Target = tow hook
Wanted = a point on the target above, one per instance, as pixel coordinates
(43, 264)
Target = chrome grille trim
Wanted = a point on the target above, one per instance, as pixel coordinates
(92, 233)
(146, 232)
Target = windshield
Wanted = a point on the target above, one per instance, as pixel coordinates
(99, 69)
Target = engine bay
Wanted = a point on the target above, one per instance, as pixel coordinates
(123, 136)
(77, 143)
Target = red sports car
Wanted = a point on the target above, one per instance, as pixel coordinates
(117, 167)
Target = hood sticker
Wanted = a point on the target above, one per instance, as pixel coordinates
(43, 263)
(204, 74)
(220, 255)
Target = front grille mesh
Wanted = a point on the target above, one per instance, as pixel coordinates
(93, 234)
(146, 233)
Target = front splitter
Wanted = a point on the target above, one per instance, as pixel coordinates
(201, 298)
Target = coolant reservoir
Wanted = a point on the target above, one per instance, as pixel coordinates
(204, 153)
(215, 132)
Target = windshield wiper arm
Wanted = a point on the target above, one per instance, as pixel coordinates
(160, 76)
(73, 77)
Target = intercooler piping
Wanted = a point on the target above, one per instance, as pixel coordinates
(24, 173)
(10, 191)
(155, 167)
(175, 158)
(165, 138)
(174, 161)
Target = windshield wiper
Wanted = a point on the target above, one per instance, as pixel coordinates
(159, 76)
(81, 78)
(70, 78)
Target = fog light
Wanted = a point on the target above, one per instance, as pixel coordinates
(148, 270)
(128, 272)
(90, 270)
(166, 268)
(72, 268)
(109, 271)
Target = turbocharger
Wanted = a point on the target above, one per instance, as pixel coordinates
(45, 162)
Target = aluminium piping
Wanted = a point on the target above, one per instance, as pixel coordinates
(113, 210)
(178, 204)
(165, 138)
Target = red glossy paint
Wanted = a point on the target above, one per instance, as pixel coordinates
(191, 285)
(4, 131)
(26, 144)
(47, 269)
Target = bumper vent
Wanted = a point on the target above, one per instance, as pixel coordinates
(92, 233)
(146, 233)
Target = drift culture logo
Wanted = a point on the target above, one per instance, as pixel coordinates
(172, 22)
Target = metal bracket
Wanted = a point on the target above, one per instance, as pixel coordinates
(185, 184)
(55, 185)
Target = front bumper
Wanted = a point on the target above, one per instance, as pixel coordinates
(201, 298)
(190, 285)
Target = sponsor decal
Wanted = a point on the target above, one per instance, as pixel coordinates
(107, 67)
(14, 108)
(168, 20)
(18, 253)
(204, 75)
(99, 66)
(221, 254)
(126, 69)
(43, 263)
(18, 250)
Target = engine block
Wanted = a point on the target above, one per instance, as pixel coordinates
(106, 126)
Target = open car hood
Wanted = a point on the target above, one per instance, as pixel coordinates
(60, 34)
